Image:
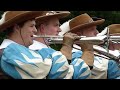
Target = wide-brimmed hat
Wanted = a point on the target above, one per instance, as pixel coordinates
(10, 18)
(83, 21)
(114, 29)
(50, 14)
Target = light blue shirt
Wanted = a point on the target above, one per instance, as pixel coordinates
(22, 63)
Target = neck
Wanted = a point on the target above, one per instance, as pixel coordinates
(16, 39)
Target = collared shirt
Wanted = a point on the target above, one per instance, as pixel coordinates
(37, 45)
(22, 63)
(5, 43)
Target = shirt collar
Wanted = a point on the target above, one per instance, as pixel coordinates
(5, 43)
(37, 45)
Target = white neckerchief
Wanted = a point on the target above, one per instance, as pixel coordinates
(37, 45)
(5, 43)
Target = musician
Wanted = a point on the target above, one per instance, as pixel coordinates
(86, 26)
(19, 62)
(48, 24)
(114, 47)
(19, 28)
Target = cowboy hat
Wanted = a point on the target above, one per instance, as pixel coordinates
(83, 21)
(50, 14)
(10, 18)
(114, 29)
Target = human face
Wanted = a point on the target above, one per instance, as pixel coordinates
(52, 27)
(89, 32)
(27, 32)
(113, 45)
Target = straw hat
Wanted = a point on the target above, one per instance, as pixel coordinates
(10, 18)
(114, 29)
(51, 14)
(83, 21)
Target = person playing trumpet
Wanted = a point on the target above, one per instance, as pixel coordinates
(16, 60)
(84, 25)
(48, 24)
(114, 45)
(20, 62)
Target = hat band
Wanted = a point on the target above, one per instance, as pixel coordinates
(51, 13)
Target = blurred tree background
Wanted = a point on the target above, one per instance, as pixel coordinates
(111, 17)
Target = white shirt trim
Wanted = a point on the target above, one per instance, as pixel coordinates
(5, 43)
(37, 45)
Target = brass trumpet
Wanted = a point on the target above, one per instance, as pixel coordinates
(106, 54)
(93, 40)
(101, 52)
(59, 39)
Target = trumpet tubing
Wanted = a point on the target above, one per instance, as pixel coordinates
(50, 36)
(94, 40)
(114, 38)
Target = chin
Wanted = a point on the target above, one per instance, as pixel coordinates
(30, 43)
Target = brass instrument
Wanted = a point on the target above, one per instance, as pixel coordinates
(115, 39)
(59, 39)
(94, 40)
(82, 38)
(106, 54)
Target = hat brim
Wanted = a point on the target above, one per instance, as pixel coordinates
(20, 18)
(46, 17)
(114, 29)
(82, 26)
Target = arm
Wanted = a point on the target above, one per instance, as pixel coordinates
(67, 45)
(60, 69)
(78, 69)
(21, 63)
(88, 53)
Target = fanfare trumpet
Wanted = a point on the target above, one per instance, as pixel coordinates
(59, 39)
(107, 55)
(114, 39)
(92, 40)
